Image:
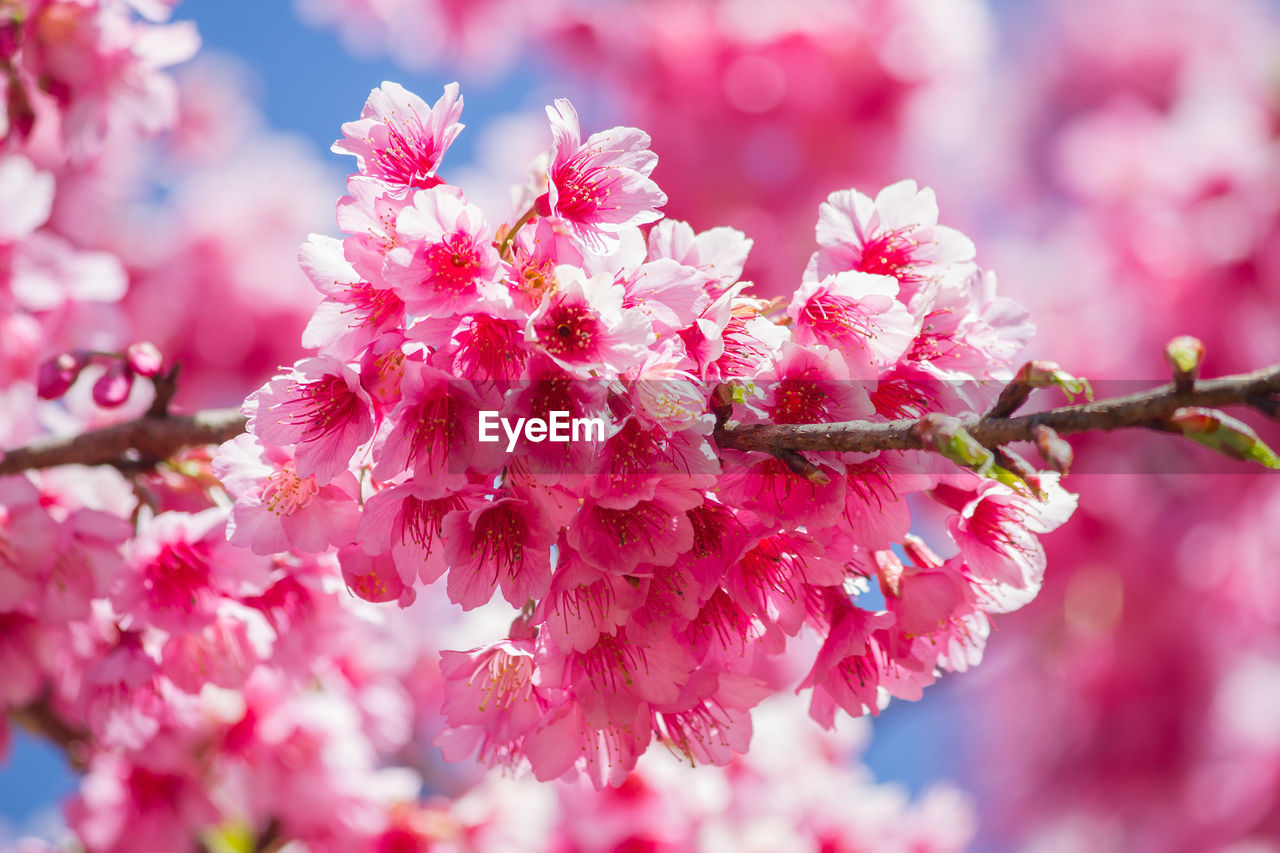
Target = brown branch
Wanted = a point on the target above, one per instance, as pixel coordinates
(149, 440)
(142, 442)
(1145, 409)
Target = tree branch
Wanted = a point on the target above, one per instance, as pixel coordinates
(143, 442)
(1145, 409)
(149, 440)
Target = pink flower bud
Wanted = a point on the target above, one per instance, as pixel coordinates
(59, 373)
(144, 359)
(10, 33)
(113, 387)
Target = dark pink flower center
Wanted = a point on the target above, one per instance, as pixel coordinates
(901, 398)
(408, 159)
(432, 428)
(327, 405)
(176, 575)
(743, 351)
(583, 188)
(840, 317)
(491, 347)
(569, 332)
(609, 663)
(373, 308)
(454, 263)
(154, 791)
(936, 340)
(892, 253)
(420, 521)
(500, 539)
(641, 523)
(799, 401)
(721, 620)
(710, 523)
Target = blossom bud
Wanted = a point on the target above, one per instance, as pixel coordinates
(144, 359)
(1185, 353)
(1054, 449)
(59, 373)
(11, 19)
(1223, 433)
(113, 387)
(1042, 374)
(947, 437)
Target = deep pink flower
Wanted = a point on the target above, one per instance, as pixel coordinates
(732, 339)
(275, 509)
(123, 697)
(504, 543)
(354, 312)
(769, 581)
(857, 314)
(180, 570)
(126, 807)
(374, 577)
(320, 409)
(223, 652)
(846, 672)
(434, 430)
(897, 234)
(490, 700)
(602, 185)
(625, 535)
(639, 455)
(584, 328)
(444, 263)
(407, 522)
(876, 513)
(728, 636)
(712, 724)
(567, 743)
(996, 529)
(584, 602)
(488, 346)
(399, 139)
(28, 539)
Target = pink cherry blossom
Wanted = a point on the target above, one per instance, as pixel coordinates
(320, 409)
(399, 139)
(601, 185)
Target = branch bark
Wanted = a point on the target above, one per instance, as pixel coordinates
(1144, 409)
(149, 440)
(143, 442)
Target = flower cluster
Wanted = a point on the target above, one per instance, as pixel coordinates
(659, 583)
